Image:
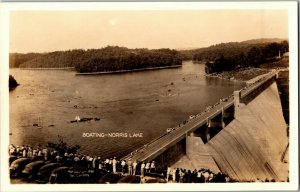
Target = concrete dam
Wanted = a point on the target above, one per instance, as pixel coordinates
(244, 137)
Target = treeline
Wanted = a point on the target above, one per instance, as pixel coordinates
(230, 49)
(16, 59)
(228, 56)
(110, 58)
(127, 59)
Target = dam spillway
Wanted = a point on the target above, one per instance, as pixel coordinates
(252, 145)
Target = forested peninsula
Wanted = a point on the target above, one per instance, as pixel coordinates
(110, 58)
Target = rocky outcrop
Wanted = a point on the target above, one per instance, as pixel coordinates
(12, 83)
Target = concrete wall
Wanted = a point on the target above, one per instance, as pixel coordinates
(251, 146)
(197, 152)
(248, 98)
(171, 155)
(283, 87)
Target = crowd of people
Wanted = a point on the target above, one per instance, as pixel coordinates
(115, 166)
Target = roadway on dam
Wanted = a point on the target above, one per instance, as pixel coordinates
(156, 147)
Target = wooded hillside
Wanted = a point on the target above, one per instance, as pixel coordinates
(110, 58)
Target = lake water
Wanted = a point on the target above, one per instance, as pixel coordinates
(145, 102)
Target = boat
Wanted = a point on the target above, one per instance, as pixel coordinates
(38, 125)
(83, 119)
(77, 118)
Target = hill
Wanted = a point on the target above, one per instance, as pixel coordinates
(230, 49)
(264, 41)
(110, 58)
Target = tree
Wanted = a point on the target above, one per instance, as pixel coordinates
(62, 146)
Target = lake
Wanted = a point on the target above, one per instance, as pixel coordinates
(138, 105)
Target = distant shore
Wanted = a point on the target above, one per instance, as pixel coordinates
(44, 68)
(250, 74)
(241, 74)
(131, 70)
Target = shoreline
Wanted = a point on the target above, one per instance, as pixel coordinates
(249, 75)
(42, 68)
(240, 74)
(131, 70)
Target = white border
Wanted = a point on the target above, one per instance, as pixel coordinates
(5, 8)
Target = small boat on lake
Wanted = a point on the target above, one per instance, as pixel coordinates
(38, 125)
(83, 119)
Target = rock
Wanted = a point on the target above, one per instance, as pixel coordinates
(12, 83)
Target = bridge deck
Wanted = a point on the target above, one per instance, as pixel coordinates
(155, 148)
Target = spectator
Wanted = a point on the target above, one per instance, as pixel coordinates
(100, 165)
(123, 163)
(129, 164)
(168, 173)
(106, 163)
(58, 159)
(206, 175)
(76, 160)
(114, 164)
(110, 165)
(95, 163)
(177, 175)
(147, 167)
(134, 165)
(24, 153)
(199, 174)
(188, 176)
(143, 169)
(152, 166)
(174, 174)
(181, 175)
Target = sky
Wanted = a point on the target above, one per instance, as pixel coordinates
(46, 31)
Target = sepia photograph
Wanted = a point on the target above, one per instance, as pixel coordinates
(179, 96)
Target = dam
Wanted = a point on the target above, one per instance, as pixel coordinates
(244, 136)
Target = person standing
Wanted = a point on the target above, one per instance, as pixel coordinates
(134, 164)
(100, 164)
(152, 166)
(24, 152)
(90, 162)
(46, 154)
(114, 164)
(177, 175)
(106, 163)
(206, 175)
(29, 154)
(199, 174)
(110, 165)
(123, 163)
(76, 160)
(58, 159)
(95, 163)
(174, 175)
(129, 164)
(168, 173)
(181, 175)
(147, 167)
(143, 169)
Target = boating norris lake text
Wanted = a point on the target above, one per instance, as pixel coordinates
(126, 135)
